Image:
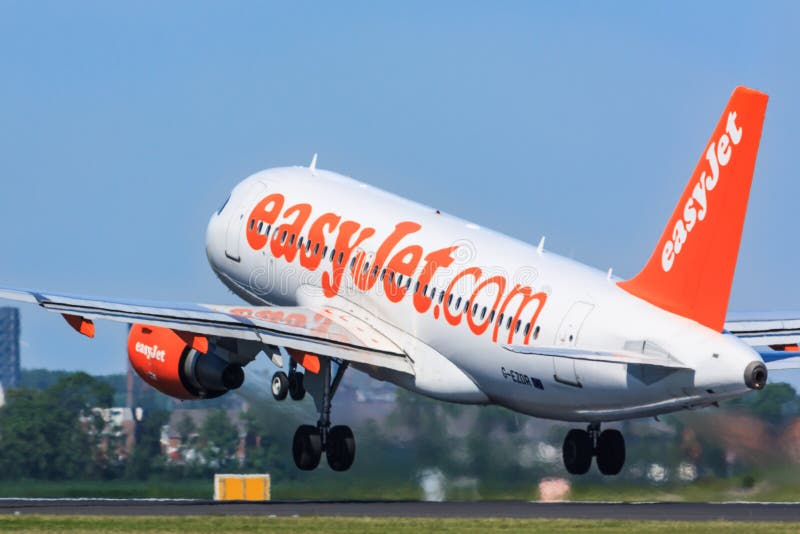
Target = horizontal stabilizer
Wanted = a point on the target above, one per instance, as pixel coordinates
(778, 360)
(759, 329)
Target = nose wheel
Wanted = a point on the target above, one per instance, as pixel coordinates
(607, 446)
(280, 385)
(291, 385)
(337, 442)
(296, 388)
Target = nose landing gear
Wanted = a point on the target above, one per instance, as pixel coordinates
(292, 385)
(279, 386)
(581, 445)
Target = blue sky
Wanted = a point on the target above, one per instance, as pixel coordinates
(124, 125)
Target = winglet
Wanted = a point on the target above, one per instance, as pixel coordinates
(80, 324)
(691, 269)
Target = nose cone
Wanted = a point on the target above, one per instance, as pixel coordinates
(755, 375)
(215, 240)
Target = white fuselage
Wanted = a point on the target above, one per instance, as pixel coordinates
(458, 352)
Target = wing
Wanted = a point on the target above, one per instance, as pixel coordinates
(325, 331)
(775, 335)
(618, 356)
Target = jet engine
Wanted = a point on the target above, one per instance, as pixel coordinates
(180, 364)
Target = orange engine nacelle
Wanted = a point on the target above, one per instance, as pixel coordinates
(180, 364)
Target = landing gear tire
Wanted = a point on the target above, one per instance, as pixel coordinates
(280, 385)
(340, 448)
(296, 388)
(577, 452)
(307, 447)
(610, 452)
(309, 441)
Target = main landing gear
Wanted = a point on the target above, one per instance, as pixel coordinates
(581, 445)
(311, 441)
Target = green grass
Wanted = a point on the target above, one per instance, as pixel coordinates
(221, 525)
(114, 489)
(326, 486)
(204, 489)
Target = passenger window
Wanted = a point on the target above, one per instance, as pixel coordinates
(508, 323)
(300, 242)
(536, 333)
(325, 251)
(491, 316)
(341, 257)
(353, 262)
(483, 312)
(500, 320)
(283, 237)
(375, 271)
(516, 328)
(316, 249)
(425, 290)
(458, 303)
(408, 283)
(366, 268)
(416, 287)
(399, 280)
(266, 231)
(527, 329)
(252, 223)
(441, 295)
(383, 274)
(449, 299)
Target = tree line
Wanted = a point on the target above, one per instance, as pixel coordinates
(55, 433)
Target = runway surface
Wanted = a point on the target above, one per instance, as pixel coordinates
(505, 509)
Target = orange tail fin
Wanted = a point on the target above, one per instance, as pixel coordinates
(691, 270)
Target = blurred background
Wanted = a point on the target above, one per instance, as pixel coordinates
(124, 126)
(71, 434)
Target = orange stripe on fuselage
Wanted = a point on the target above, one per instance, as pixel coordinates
(398, 260)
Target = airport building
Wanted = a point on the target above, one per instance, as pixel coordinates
(9, 347)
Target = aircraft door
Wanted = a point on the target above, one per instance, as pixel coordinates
(564, 369)
(235, 232)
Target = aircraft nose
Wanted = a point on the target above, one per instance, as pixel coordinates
(215, 239)
(755, 375)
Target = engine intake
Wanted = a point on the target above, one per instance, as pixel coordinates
(174, 363)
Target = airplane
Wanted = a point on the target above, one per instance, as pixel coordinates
(336, 274)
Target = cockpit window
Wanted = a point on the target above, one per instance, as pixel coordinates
(219, 211)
